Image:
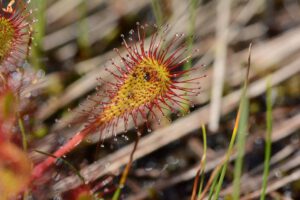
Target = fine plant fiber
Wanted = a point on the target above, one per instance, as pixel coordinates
(235, 130)
(268, 141)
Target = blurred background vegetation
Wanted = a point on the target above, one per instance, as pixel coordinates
(74, 41)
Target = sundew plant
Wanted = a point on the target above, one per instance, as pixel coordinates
(148, 81)
(108, 99)
(146, 84)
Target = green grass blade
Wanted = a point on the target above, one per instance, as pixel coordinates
(213, 186)
(200, 172)
(235, 130)
(203, 159)
(241, 141)
(230, 148)
(224, 168)
(268, 142)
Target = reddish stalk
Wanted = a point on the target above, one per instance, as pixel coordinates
(66, 148)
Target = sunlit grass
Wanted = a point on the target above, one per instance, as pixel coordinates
(241, 110)
(268, 141)
(241, 142)
(203, 160)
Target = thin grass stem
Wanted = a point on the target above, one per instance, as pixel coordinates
(125, 173)
(66, 163)
(241, 141)
(203, 160)
(200, 171)
(22, 129)
(267, 141)
(235, 130)
(213, 186)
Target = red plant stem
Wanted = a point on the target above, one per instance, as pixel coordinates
(39, 169)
